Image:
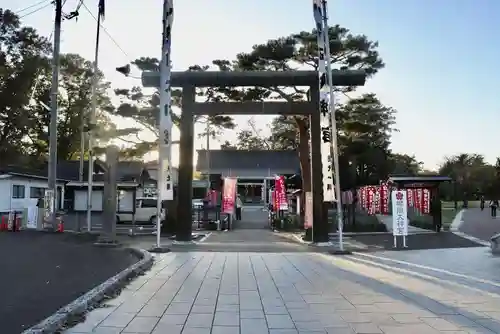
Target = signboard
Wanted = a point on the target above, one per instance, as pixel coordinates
(325, 91)
(308, 216)
(48, 204)
(228, 195)
(280, 187)
(399, 213)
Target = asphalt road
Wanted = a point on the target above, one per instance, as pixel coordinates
(42, 272)
(480, 224)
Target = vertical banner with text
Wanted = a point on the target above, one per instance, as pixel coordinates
(281, 199)
(228, 195)
(308, 216)
(399, 213)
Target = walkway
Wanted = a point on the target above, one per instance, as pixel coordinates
(251, 234)
(479, 224)
(291, 293)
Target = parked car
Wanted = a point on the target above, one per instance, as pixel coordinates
(145, 211)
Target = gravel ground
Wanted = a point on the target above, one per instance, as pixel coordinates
(42, 272)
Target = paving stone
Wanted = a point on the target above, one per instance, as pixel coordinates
(285, 293)
(197, 330)
(366, 328)
(283, 331)
(282, 321)
(252, 314)
(225, 330)
(253, 326)
(106, 330)
(199, 320)
(440, 324)
(141, 325)
(179, 308)
(118, 319)
(203, 308)
(226, 319)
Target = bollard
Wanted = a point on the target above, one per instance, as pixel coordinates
(4, 224)
(60, 225)
(17, 224)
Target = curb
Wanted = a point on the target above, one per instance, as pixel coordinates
(80, 305)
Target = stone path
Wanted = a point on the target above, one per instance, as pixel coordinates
(290, 293)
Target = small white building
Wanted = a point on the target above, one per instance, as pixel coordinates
(19, 190)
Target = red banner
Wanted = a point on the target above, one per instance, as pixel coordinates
(426, 208)
(370, 201)
(364, 198)
(229, 195)
(384, 199)
(409, 197)
(418, 201)
(280, 189)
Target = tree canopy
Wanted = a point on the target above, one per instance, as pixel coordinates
(25, 81)
(144, 109)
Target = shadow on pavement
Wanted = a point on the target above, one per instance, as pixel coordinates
(42, 272)
(416, 241)
(466, 317)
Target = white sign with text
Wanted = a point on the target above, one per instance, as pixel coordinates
(399, 213)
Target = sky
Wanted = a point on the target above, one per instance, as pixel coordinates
(440, 56)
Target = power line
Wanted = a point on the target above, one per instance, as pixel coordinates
(105, 31)
(30, 6)
(34, 11)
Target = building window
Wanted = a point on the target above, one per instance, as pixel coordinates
(17, 191)
(36, 192)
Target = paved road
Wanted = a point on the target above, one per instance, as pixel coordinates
(42, 272)
(480, 224)
(73, 221)
(257, 293)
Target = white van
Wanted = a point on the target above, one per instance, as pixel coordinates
(145, 211)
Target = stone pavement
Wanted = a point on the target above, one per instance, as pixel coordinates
(290, 293)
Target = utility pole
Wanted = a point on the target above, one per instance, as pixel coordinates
(82, 161)
(92, 125)
(52, 191)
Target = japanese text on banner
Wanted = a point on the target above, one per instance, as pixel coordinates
(399, 213)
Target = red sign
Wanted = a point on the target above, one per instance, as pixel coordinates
(409, 197)
(280, 189)
(418, 201)
(384, 199)
(426, 202)
(370, 201)
(228, 195)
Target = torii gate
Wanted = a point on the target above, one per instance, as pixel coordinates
(188, 81)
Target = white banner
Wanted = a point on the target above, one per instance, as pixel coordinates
(326, 128)
(165, 186)
(399, 213)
